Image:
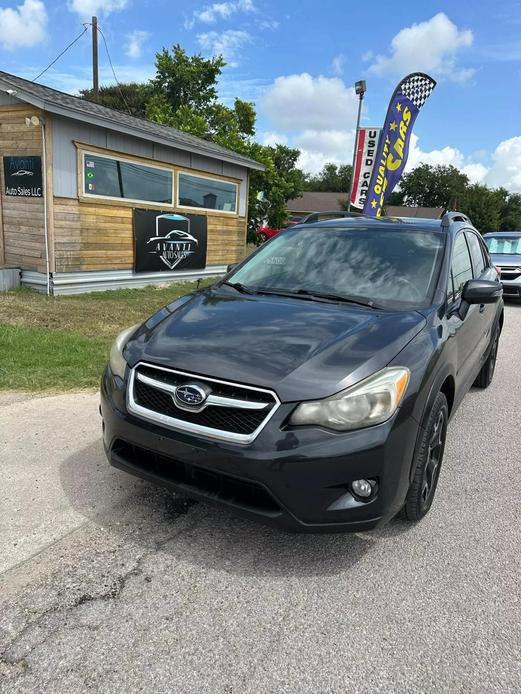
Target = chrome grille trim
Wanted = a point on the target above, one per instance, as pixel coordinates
(216, 400)
(190, 427)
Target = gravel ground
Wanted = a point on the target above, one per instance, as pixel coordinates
(108, 584)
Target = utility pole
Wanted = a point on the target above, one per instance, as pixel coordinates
(95, 81)
(360, 89)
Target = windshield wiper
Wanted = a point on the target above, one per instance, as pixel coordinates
(318, 296)
(240, 287)
(337, 297)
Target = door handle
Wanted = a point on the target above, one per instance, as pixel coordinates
(481, 308)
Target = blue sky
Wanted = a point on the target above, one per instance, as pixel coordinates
(299, 59)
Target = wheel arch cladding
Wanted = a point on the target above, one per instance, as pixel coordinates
(448, 388)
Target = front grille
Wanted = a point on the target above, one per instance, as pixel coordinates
(232, 490)
(234, 422)
(510, 290)
(509, 274)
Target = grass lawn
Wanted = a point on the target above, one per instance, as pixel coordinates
(62, 343)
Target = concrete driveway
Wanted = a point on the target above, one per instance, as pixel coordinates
(111, 585)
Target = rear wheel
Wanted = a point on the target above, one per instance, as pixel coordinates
(485, 376)
(428, 461)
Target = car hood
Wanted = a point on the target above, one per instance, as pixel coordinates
(302, 349)
(505, 260)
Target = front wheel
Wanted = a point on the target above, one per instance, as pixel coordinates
(485, 376)
(427, 463)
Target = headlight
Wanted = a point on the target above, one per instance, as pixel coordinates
(369, 402)
(117, 361)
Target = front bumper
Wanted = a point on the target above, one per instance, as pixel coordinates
(511, 289)
(296, 479)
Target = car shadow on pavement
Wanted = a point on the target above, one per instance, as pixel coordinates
(200, 533)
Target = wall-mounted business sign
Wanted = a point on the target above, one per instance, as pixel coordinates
(23, 177)
(364, 163)
(164, 241)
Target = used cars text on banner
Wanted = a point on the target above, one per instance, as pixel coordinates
(393, 148)
(366, 149)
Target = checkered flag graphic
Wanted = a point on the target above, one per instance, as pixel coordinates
(417, 88)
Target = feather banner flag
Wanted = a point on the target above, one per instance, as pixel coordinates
(393, 146)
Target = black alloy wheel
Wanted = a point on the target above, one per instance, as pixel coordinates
(428, 460)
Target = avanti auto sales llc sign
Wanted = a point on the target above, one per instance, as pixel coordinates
(23, 177)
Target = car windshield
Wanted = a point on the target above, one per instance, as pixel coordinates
(393, 268)
(504, 245)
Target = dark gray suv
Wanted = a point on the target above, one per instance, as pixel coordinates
(312, 387)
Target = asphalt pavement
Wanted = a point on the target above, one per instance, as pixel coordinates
(108, 584)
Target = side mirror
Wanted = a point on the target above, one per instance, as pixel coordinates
(231, 267)
(482, 292)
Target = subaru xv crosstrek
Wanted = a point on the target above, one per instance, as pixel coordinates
(312, 387)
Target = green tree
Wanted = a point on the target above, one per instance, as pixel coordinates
(332, 179)
(186, 80)
(511, 212)
(434, 186)
(281, 181)
(129, 97)
(484, 206)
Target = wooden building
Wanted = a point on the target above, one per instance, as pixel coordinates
(77, 179)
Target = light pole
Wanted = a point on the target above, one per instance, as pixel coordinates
(360, 89)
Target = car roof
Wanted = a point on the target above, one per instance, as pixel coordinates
(512, 234)
(387, 223)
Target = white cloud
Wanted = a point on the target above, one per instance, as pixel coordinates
(447, 156)
(219, 10)
(23, 26)
(319, 147)
(476, 172)
(429, 46)
(303, 102)
(89, 8)
(226, 43)
(506, 167)
(135, 41)
(268, 24)
(337, 64)
(272, 138)
(316, 115)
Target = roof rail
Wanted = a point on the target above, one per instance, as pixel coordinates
(451, 217)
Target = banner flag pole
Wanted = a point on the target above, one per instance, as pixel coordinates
(360, 89)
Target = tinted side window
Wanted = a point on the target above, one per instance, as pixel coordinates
(461, 264)
(476, 253)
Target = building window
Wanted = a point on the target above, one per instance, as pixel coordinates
(120, 178)
(207, 193)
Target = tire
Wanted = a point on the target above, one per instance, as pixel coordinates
(427, 463)
(262, 238)
(485, 376)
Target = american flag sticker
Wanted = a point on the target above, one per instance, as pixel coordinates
(90, 164)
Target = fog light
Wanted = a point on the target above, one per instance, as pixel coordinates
(362, 488)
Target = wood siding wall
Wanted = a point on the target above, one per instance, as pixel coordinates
(94, 236)
(22, 219)
(83, 235)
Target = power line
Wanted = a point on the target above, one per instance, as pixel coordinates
(113, 71)
(62, 53)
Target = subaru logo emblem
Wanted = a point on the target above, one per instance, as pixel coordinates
(190, 395)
